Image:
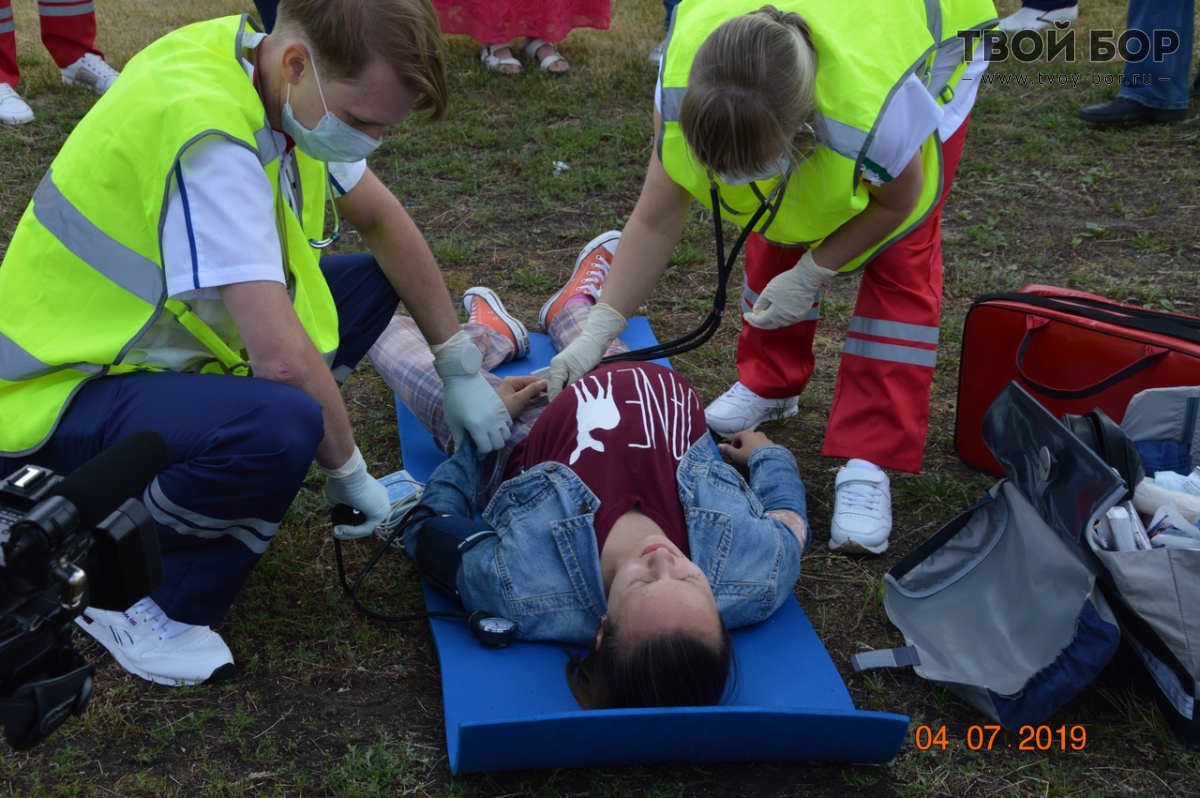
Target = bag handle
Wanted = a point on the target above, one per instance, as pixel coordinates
(1035, 323)
(1175, 325)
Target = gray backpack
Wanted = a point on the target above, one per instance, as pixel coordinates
(1014, 607)
(1002, 604)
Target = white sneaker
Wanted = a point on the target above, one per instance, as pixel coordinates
(91, 72)
(740, 408)
(862, 517)
(149, 644)
(13, 109)
(1034, 19)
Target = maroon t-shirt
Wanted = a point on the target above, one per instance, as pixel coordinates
(623, 430)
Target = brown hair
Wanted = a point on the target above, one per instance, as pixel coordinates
(751, 93)
(347, 35)
(676, 669)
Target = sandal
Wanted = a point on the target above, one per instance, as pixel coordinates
(531, 49)
(488, 56)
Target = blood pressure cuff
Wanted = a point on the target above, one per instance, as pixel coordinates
(440, 543)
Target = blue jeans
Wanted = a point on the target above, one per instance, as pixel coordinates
(1163, 84)
(239, 449)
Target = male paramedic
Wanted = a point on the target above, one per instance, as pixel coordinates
(167, 276)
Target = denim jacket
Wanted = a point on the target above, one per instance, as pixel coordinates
(542, 570)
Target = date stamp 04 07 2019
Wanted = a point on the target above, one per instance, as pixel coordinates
(984, 738)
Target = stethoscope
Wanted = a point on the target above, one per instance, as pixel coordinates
(281, 209)
(337, 220)
(701, 335)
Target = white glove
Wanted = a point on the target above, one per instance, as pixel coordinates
(471, 405)
(352, 485)
(789, 296)
(585, 353)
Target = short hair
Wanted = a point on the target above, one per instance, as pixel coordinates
(673, 669)
(347, 35)
(751, 93)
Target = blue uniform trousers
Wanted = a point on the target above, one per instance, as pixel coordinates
(239, 447)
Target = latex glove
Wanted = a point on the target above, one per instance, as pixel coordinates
(353, 486)
(470, 403)
(789, 296)
(585, 353)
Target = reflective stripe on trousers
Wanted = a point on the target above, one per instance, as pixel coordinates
(240, 449)
(880, 408)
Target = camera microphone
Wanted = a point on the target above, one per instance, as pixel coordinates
(96, 496)
(102, 484)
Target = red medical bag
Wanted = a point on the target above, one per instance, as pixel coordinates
(1072, 350)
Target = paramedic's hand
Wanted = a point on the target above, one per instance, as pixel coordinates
(353, 486)
(517, 392)
(744, 444)
(470, 404)
(789, 296)
(585, 353)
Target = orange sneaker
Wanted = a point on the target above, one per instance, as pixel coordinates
(591, 270)
(484, 307)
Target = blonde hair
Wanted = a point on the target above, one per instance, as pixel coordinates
(347, 35)
(751, 93)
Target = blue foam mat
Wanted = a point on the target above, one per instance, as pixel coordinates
(511, 709)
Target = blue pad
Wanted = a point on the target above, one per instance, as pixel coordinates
(511, 709)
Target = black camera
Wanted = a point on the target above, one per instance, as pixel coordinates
(65, 544)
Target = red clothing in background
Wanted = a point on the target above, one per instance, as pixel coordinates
(623, 430)
(494, 21)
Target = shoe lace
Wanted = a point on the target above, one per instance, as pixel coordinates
(861, 496)
(739, 391)
(99, 66)
(483, 313)
(593, 279)
(155, 616)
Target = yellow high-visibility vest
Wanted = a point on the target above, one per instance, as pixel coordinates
(83, 277)
(865, 50)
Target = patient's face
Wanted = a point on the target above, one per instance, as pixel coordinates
(658, 589)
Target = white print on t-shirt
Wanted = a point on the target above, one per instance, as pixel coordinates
(667, 407)
(593, 413)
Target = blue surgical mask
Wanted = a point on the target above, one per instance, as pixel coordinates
(332, 139)
(772, 170)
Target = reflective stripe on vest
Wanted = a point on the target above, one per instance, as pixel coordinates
(824, 192)
(82, 279)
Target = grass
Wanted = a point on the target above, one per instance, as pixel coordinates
(325, 703)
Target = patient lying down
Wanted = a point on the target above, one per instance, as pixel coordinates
(609, 523)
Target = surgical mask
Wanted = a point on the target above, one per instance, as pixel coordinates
(332, 139)
(772, 170)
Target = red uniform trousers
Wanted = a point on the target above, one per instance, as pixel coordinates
(880, 407)
(68, 31)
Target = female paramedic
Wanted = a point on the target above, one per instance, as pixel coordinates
(615, 526)
(167, 276)
(832, 131)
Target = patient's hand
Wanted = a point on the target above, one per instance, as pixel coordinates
(744, 444)
(516, 392)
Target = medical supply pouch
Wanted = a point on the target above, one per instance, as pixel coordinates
(1002, 605)
(1155, 594)
(1073, 351)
